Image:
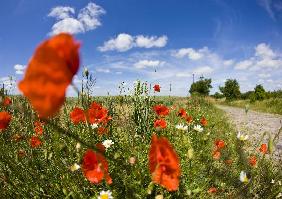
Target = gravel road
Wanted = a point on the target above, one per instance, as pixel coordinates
(255, 124)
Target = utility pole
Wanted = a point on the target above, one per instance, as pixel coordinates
(193, 78)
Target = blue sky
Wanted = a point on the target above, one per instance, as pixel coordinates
(160, 41)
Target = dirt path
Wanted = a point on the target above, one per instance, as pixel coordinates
(255, 124)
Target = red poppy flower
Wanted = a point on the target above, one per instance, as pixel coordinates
(7, 101)
(182, 113)
(219, 144)
(228, 162)
(189, 118)
(35, 142)
(38, 127)
(216, 155)
(253, 161)
(49, 73)
(95, 167)
(77, 115)
(160, 124)
(212, 190)
(164, 163)
(98, 114)
(101, 148)
(263, 148)
(161, 110)
(5, 119)
(204, 121)
(157, 88)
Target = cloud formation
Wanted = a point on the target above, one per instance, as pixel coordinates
(124, 42)
(88, 18)
(148, 64)
(19, 69)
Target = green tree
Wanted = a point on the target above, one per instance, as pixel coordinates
(260, 93)
(201, 87)
(231, 89)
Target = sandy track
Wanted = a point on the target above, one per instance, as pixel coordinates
(255, 124)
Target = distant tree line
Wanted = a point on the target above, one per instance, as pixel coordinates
(231, 91)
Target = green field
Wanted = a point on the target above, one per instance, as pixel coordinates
(44, 171)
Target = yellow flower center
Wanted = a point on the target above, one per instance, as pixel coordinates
(104, 196)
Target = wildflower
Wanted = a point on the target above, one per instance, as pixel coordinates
(160, 124)
(77, 115)
(95, 167)
(105, 195)
(204, 121)
(182, 113)
(157, 88)
(49, 73)
(164, 163)
(253, 161)
(102, 130)
(228, 162)
(5, 119)
(98, 114)
(132, 160)
(181, 127)
(263, 148)
(35, 142)
(242, 137)
(198, 128)
(94, 126)
(159, 196)
(219, 144)
(216, 155)
(100, 147)
(7, 101)
(77, 146)
(212, 190)
(108, 143)
(74, 167)
(38, 128)
(161, 110)
(189, 118)
(243, 177)
(272, 181)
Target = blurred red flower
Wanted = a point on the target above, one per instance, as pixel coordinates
(160, 124)
(101, 148)
(164, 163)
(161, 110)
(263, 148)
(95, 167)
(38, 127)
(35, 142)
(49, 73)
(212, 190)
(219, 144)
(216, 155)
(98, 114)
(189, 118)
(157, 88)
(228, 162)
(204, 121)
(7, 101)
(77, 115)
(5, 119)
(253, 161)
(182, 113)
(102, 130)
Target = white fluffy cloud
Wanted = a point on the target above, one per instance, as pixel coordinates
(263, 58)
(189, 52)
(103, 70)
(149, 42)
(124, 42)
(88, 19)
(19, 69)
(203, 70)
(147, 64)
(121, 43)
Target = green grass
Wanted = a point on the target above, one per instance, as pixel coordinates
(44, 172)
(272, 105)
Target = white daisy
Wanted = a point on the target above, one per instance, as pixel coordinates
(105, 195)
(107, 143)
(243, 177)
(198, 128)
(181, 127)
(94, 126)
(242, 137)
(74, 167)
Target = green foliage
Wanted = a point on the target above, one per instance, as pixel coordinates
(231, 89)
(217, 95)
(260, 93)
(201, 87)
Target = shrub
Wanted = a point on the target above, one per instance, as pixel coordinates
(201, 87)
(231, 89)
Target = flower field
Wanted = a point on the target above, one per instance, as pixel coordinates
(127, 146)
